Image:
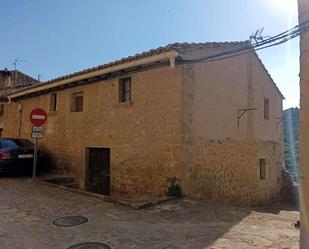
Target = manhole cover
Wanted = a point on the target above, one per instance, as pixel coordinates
(89, 245)
(70, 221)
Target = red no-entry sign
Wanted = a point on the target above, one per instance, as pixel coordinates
(38, 116)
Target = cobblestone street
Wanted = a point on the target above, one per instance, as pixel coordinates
(27, 212)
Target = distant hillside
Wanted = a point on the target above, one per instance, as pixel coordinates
(291, 141)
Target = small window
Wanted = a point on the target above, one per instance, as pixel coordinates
(53, 102)
(266, 109)
(125, 90)
(262, 169)
(77, 102)
(1, 109)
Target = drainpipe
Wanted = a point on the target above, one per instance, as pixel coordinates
(20, 111)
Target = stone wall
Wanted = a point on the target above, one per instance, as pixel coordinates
(221, 156)
(181, 123)
(228, 171)
(14, 78)
(5, 78)
(143, 135)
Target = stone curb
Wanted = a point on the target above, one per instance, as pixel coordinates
(135, 205)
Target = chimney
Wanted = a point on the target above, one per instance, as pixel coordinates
(5, 78)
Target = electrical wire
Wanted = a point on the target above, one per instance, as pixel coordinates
(251, 47)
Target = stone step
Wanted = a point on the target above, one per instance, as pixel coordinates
(59, 180)
(71, 185)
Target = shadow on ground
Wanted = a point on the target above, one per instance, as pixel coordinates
(28, 210)
(276, 208)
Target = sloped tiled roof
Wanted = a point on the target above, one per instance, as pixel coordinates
(22, 79)
(10, 90)
(177, 47)
(19, 81)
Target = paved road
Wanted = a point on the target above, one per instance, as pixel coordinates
(27, 212)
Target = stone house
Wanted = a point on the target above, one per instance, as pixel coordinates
(125, 128)
(15, 78)
(11, 81)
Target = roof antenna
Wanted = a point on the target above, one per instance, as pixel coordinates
(39, 76)
(257, 36)
(17, 61)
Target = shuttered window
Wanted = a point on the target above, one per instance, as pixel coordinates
(1, 109)
(77, 102)
(125, 90)
(53, 102)
(262, 169)
(266, 109)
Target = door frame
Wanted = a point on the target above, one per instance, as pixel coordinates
(87, 168)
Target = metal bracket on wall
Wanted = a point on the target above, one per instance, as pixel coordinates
(242, 112)
(279, 121)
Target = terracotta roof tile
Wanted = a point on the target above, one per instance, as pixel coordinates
(170, 47)
(177, 47)
(10, 90)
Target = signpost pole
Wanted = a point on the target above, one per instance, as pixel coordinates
(35, 159)
(38, 117)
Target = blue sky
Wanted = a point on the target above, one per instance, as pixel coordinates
(59, 37)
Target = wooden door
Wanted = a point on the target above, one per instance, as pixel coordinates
(99, 171)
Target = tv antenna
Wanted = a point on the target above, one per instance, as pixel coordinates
(17, 61)
(257, 36)
(39, 76)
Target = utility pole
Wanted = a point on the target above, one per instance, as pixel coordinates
(303, 9)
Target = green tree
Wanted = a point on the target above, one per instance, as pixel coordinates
(291, 141)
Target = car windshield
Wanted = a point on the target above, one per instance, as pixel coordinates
(7, 144)
(23, 143)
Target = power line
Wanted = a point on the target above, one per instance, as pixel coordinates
(259, 44)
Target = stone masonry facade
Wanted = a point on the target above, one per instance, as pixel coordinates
(142, 134)
(221, 156)
(182, 122)
(228, 171)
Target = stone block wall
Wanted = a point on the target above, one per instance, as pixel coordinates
(220, 154)
(181, 123)
(143, 135)
(229, 171)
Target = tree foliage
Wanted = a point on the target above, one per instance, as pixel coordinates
(291, 141)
